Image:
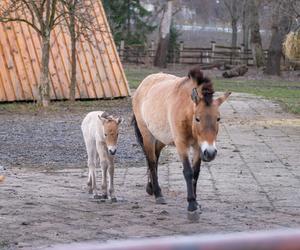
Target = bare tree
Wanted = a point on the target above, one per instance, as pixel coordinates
(81, 23)
(281, 24)
(42, 16)
(255, 40)
(234, 8)
(246, 24)
(160, 59)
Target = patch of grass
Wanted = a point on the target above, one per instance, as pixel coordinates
(136, 74)
(286, 93)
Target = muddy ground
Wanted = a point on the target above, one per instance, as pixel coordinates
(253, 184)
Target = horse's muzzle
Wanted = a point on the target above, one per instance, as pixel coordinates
(208, 155)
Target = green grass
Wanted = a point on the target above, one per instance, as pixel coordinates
(285, 92)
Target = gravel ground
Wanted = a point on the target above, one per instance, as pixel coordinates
(54, 138)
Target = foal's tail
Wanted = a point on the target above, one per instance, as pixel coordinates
(137, 131)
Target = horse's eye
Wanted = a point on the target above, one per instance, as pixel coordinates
(218, 119)
(197, 119)
(105, 135)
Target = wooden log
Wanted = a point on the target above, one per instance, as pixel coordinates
(237, 71)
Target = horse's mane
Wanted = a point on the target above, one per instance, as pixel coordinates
(207, 87)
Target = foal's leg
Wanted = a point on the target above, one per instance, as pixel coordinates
(91, 151)
(158, 147)
(196, 168)
(188, 175)
(104, 162)
(111, 170)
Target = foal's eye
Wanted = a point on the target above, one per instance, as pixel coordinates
(197, 119)
(105, 135)
(218, 119)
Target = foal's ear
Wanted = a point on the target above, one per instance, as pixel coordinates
(104, 117)
(120, 120)
(195, 97)
(222, 98)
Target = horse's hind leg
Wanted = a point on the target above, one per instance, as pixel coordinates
(149, 148)
(158, 147)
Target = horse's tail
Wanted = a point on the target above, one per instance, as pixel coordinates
(137, 131)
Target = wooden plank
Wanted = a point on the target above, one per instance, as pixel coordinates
(6, 78)
(125, 91)
(20, 59)
(12, 65)
(110, 64)
(28, 61)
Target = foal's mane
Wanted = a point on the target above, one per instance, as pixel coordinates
(207, 89)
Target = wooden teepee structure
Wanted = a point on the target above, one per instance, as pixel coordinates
(99, 73)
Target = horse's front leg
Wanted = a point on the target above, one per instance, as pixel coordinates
(193, 214)
(196, 168)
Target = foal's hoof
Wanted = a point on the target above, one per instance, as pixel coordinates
(193, 216)
(100, 196)
(114, 200)
(160, 200)
(97, 196)
(149, 188)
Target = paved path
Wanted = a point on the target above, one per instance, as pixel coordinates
(253, 184)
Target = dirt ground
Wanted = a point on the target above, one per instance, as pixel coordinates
(253, 184)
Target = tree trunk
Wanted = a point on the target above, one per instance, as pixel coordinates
(256, 45)
(245, 25)
(234, 33)
(160, 59)
(73, 56)
(44, 87)
(280, 27)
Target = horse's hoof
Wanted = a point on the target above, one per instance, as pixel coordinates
(193, 216)
(114, 200)
(149, 188)
(90, 191)
(160, 200)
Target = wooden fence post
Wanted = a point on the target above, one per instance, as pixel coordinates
(213, 48)
(181, 52)
(244, 56)
(152, 50)
(122, 47)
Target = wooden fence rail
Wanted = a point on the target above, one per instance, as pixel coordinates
(189, 55)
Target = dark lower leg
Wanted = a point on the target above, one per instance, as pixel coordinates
(188, 175)
(154, 179)
(153, 176)
(196, 172)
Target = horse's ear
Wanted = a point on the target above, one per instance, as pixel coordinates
(195, 97)
(222, 98)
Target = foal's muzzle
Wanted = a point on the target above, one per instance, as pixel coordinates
(112, 150)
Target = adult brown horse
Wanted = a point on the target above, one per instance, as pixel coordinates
(181, 111)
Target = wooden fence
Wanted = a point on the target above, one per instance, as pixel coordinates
(189, 55)
(99, 70)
